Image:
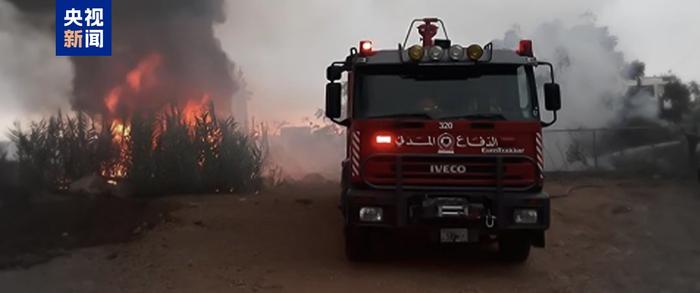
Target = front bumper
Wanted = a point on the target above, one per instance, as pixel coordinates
(487, 212)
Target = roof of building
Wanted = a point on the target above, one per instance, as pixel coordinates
(647, 81)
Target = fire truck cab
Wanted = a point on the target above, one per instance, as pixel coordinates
(443, 141)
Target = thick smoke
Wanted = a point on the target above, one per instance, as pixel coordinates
(589, 66)
(600, 89)
(175, 36)
(32, 79)
(637, 102)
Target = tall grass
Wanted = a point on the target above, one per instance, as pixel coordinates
(11, 193)
(162, 153)
(3, 155)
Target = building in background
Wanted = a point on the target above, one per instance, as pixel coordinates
(653, 85)
(651, 88)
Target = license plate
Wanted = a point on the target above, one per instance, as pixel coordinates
(456, 235)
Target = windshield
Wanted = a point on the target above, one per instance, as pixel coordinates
(501, 92)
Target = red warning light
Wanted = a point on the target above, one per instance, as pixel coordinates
(366, 48)
(383, 139)
(525, 48)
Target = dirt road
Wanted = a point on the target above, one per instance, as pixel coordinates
(608, 235)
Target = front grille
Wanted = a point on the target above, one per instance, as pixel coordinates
(472, 171)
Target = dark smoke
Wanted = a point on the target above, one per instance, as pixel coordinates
(180, 32)
(35, 6)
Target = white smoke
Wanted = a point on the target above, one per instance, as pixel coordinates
(588, 65)
(33, 80)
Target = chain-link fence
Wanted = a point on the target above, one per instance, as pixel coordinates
(653, 150)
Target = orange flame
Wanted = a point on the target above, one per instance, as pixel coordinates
(120, 137)
(195, 108)
(135, 79)
(120, 131)
(112, 99)
(143, 70)
(141, 78)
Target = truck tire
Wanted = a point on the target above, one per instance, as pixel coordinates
(357, 244)
(514, 247)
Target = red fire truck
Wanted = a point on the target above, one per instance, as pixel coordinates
(443, 141)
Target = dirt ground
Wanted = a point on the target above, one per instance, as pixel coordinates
(56, 224)
(607, 235)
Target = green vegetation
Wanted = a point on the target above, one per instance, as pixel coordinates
(153, 155)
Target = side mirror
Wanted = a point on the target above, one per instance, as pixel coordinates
(552, 97)
(333, 92)
(334, 73)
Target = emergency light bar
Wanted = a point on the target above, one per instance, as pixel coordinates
(440, 49)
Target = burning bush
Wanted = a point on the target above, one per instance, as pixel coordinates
(151, 153)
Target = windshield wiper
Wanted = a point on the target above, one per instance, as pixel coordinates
(481, 116)
(404, 115)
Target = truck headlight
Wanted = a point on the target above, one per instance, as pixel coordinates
(456, 52)
(474, 52)
(525, 216)
(371, 214)
(435, 53)
(416, 53)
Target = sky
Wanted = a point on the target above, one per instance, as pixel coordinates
(284, 46)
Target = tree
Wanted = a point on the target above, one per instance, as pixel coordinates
(635, 70)
(677, 108)
(695, 92)
(676, 100)
(693, 136)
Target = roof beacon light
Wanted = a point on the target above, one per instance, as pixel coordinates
(474, 52)
(416, 53)
(525, 48)
(435, 53)
(366, 48)
(456, 52)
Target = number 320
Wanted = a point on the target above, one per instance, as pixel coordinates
(446, 125)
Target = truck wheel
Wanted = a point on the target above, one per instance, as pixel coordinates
(514, 247)
(357, 244)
